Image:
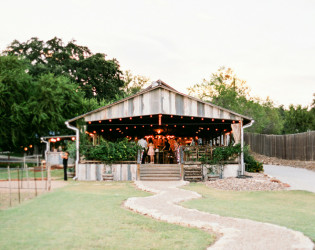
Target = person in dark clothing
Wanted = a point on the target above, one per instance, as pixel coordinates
(65, 164)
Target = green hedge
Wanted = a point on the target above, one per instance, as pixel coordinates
(107, 151)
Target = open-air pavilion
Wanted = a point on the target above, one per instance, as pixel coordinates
(161, 111)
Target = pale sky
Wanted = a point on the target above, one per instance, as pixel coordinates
(270, 44)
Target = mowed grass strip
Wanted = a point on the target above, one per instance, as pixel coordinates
(292, 209)
(91, 216)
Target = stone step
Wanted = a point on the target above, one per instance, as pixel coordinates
(159, 170)
(160, 165)
(153, 178)
(160, 174)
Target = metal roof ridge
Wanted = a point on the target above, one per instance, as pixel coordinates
(163, 85)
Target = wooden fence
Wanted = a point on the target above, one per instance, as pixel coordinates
(292, 147)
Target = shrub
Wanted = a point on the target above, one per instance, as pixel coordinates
(107, 151)
(221, 154)
(251, 165)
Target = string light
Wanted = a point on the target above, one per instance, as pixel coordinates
(102, 130)
(89, 122)
(212, 119)
(100, 121)
(223, 121)
(120, 119)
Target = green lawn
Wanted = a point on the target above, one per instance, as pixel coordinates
(90, 216)
(292, 209)
(56, 174)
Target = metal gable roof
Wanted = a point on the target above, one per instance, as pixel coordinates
(160, 98)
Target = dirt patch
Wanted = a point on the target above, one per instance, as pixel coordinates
(310, 165)
(21, 192)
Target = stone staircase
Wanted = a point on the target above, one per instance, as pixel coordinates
(160, 172)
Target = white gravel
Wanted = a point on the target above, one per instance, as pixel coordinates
(231, 233)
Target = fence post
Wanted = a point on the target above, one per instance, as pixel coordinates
(9, 177)
(35, 182)
(49, 177)
(27, 177)
(18, 175)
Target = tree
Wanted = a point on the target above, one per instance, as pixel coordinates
(32, 107)
(298, 119)
(133, 84)
(97, 77)
(225, 89)
(15, 85)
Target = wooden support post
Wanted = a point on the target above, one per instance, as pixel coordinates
(138, 172)
(9, 177)
(18, 175)
(35, 182)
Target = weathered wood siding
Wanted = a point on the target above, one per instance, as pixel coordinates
(292, 147)
(161, 101)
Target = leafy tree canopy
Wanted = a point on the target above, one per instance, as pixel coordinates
(225, 89)
(134, 84)
(96, 76)
(32, 107)
(297, 119)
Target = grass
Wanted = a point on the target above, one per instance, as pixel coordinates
(56, 174)
(292, 209)
(90, 216)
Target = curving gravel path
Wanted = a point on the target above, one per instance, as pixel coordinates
(231, 233)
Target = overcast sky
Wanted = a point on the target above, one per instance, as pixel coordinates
(270, 44)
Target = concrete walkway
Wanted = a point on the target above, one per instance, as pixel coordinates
(297, 178)
(231, 233)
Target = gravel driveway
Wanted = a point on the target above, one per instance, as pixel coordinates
(297, 178)
(232, 233)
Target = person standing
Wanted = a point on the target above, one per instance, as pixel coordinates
(143, 143)
(64, 157)
(151, 152)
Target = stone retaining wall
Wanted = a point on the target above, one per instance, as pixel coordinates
(128, 172)
(229, 170)
(94, 171)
